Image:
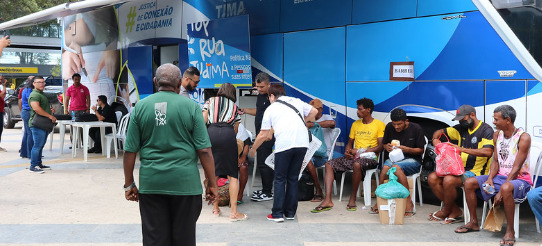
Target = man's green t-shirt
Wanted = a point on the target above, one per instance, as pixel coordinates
(167, 129)
(38, 96)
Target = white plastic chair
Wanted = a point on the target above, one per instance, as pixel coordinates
(120, 136)
(416, 180)
(334, 136)
(366, 184)
(534, 170)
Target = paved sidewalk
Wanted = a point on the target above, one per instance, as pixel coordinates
(82, 203)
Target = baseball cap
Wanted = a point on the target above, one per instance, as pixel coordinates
(316, 103)
(462, 111)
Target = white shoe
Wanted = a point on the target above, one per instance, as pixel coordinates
(3, 150)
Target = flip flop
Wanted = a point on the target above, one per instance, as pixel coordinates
(468, 229)
(319, 209)
(216, 213)
(351, 207)
(449, 220)
(412, 213)
(504, 242)
(433, 217)
(317, 198)
(240, 202)
(373, 210)
(244, 217)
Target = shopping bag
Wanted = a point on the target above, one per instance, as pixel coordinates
(494, 219)
(318, 132)
(448, 160)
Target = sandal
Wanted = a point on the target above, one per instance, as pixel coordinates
(373, 210)
(351, 207)
(433, 217)
(449, 220)
(317, 198)
(216, 213)
(319, 209)
(411, 213)
(465, 228)
(506, 242)
(237, 218)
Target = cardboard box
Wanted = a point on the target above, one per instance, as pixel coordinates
(384, 206)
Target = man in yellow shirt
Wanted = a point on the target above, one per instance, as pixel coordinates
(365, 136)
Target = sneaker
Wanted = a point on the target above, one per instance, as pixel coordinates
(3, 150)
(91, 150)
(43, 167)
(35, 170)
(257, 193)
(290, 218)
(262, 197)
(270, 217)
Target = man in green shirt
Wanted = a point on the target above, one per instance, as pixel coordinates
(169, 133)
(39, 104)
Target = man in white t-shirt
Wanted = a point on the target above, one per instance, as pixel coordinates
(327, 123)
(291, 144)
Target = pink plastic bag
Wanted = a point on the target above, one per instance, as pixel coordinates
(448, 160)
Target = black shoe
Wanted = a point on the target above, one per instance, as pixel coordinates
(98, 150)
(91, 150)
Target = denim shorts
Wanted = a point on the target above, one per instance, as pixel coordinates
(409, 166)
(319, 161)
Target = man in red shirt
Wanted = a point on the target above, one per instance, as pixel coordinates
(4, 42)
(77, 97)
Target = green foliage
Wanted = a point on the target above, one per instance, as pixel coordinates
(56, 70)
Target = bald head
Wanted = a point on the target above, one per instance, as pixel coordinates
(168, 75)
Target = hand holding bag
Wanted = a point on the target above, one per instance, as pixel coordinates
(494, 219)
(448, 160)
(43, 123)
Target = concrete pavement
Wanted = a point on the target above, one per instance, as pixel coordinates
(82, 203)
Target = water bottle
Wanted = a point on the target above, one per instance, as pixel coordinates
(488, 188)
(73, 116)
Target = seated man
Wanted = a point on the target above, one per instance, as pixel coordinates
(366, 136)
(411, 142)
(535, 200)
(104, 113)
(509, 175)
(327, 123)
(475, 143)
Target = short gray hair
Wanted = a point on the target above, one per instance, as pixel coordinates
(506, 111)
(168, 75)
(263, 77)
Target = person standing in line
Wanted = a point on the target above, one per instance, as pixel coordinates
(286, 118)
(222, 119)
(2, 105)
(263, 82)
(169, 133)
(24, 106)
(190, 81)
(39, 105)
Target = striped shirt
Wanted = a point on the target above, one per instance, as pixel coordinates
(221, 110)
(481, 137)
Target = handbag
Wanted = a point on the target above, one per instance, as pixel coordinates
(318, 132)
(43, 123)
(494, 219)
(299, 114)
(448, 160)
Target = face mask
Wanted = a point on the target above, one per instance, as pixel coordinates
(466, 123)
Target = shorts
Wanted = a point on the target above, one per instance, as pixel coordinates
(343, 164)
(409, 166)
(466, 175)
(521, 187)
(319, 161)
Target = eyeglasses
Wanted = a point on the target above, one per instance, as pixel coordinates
(39, 82)
(197, 82)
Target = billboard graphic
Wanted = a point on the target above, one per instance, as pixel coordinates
(220, 49)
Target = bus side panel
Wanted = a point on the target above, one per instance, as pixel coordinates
(267, 55)
(140, 66)
(436, 7)
(364, 11)
(302, 15)
(497, 90)
(314, 64)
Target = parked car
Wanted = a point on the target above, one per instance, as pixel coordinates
(53, 91)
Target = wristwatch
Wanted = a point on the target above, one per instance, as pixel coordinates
(129, 187)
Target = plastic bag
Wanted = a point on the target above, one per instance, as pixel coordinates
(448, 160)
(392, 189)
(396, 155)
(317, 131)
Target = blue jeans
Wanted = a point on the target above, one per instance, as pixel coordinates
(409, 166)
(287, 168)
(27, 142)
(1, 128)
(40, 137)
(535, 200)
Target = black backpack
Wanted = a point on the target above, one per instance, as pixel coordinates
(305, 187)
